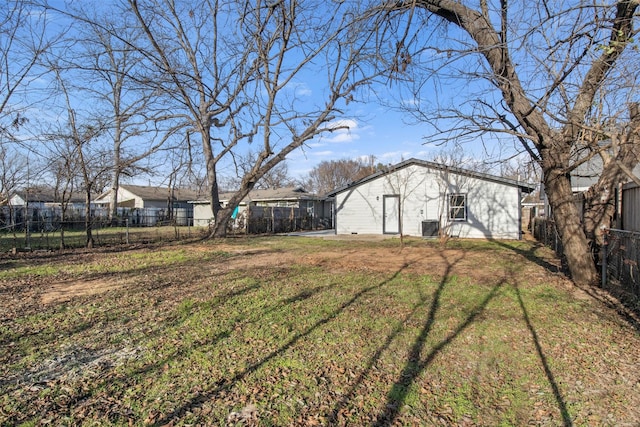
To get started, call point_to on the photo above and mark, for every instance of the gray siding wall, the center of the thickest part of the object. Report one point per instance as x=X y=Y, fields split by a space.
x=631 y=207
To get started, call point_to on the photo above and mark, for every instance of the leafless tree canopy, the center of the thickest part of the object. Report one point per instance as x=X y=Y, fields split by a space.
x=216 y=79
x=24 y=38
x=557 y=77
x=330 y=175
x=222 y=78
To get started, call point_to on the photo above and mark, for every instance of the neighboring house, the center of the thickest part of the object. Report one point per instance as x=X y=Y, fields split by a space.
x=627 y=204
x=421 y=198
x=40 y=198
x=147 y=205
x=630 y=217
x=41 y=207
x=533 y=206
x=588 y=173
x=143 y=197
x=288 y=197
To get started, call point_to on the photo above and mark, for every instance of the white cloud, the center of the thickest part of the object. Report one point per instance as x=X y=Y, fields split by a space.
x=321 y=153
x=395 y=156
x=300 y=89
x=343 y=131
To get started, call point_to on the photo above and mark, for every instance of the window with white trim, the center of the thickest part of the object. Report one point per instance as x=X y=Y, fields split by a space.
x=457 y=207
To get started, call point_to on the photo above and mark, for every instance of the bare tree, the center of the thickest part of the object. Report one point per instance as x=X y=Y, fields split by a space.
x=548 y=66
x=87 y=158
x=24 y=37
x=197 y=59
x=276 y=177
x=14 y=169
x=330 y=175
x=13 y=172
x=292 y=39
x=62 y=167
x=110 y=71
x=233 y=69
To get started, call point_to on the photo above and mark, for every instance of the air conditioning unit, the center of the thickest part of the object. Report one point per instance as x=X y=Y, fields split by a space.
x=430 y=228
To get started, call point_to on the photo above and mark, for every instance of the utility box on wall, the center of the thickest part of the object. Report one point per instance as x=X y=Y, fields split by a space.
x=430 y=228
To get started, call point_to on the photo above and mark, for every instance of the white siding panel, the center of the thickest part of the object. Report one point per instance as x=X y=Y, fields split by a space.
x=493 y=208
x=359 y=209
x=126 y=195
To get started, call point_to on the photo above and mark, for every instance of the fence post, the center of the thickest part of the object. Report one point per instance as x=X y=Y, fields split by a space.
x=126 y=233
x=603 y=257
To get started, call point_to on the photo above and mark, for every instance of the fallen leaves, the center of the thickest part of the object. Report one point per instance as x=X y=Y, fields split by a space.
x=338 y=336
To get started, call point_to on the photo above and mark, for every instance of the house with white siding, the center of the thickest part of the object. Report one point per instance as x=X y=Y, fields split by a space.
x=421 y=198
x=44 y=197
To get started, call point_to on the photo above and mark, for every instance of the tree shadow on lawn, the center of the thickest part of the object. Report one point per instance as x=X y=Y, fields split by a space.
x=174 y=318
x=435 y=300
x=562 y=405
x=530 y=255
x=240 y=318
x=86 y=356
x=415 y=364
x=627 y=308
x=228 y=383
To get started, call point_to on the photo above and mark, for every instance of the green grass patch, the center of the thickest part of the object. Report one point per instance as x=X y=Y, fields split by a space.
x=191 y=340
x=51 y=240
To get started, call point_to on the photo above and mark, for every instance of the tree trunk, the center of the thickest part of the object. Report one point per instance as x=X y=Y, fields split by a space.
x=224 y=214
x=599 y=205
x=113 y=200
x=63 y=216
x=220 y=225
x=553 y=147
x=214 y=193
x=87 y=220
x=599 y=199
x=567 y=219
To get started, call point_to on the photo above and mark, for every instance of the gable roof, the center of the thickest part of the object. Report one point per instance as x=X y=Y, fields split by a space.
x=48 y=195
x=527 y=188
x=150 y=193
x=272 y=194
x=588 y=174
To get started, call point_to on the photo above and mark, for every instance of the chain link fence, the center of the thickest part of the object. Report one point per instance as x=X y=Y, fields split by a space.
x=619 y=259
x=46 y=228
x=73 y=235
x=545 y=231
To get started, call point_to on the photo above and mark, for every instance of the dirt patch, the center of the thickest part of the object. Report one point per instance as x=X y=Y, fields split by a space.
x=435 y=261
x=68 y=289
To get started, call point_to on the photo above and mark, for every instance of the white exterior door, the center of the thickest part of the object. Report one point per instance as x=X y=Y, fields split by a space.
x=391 y=219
